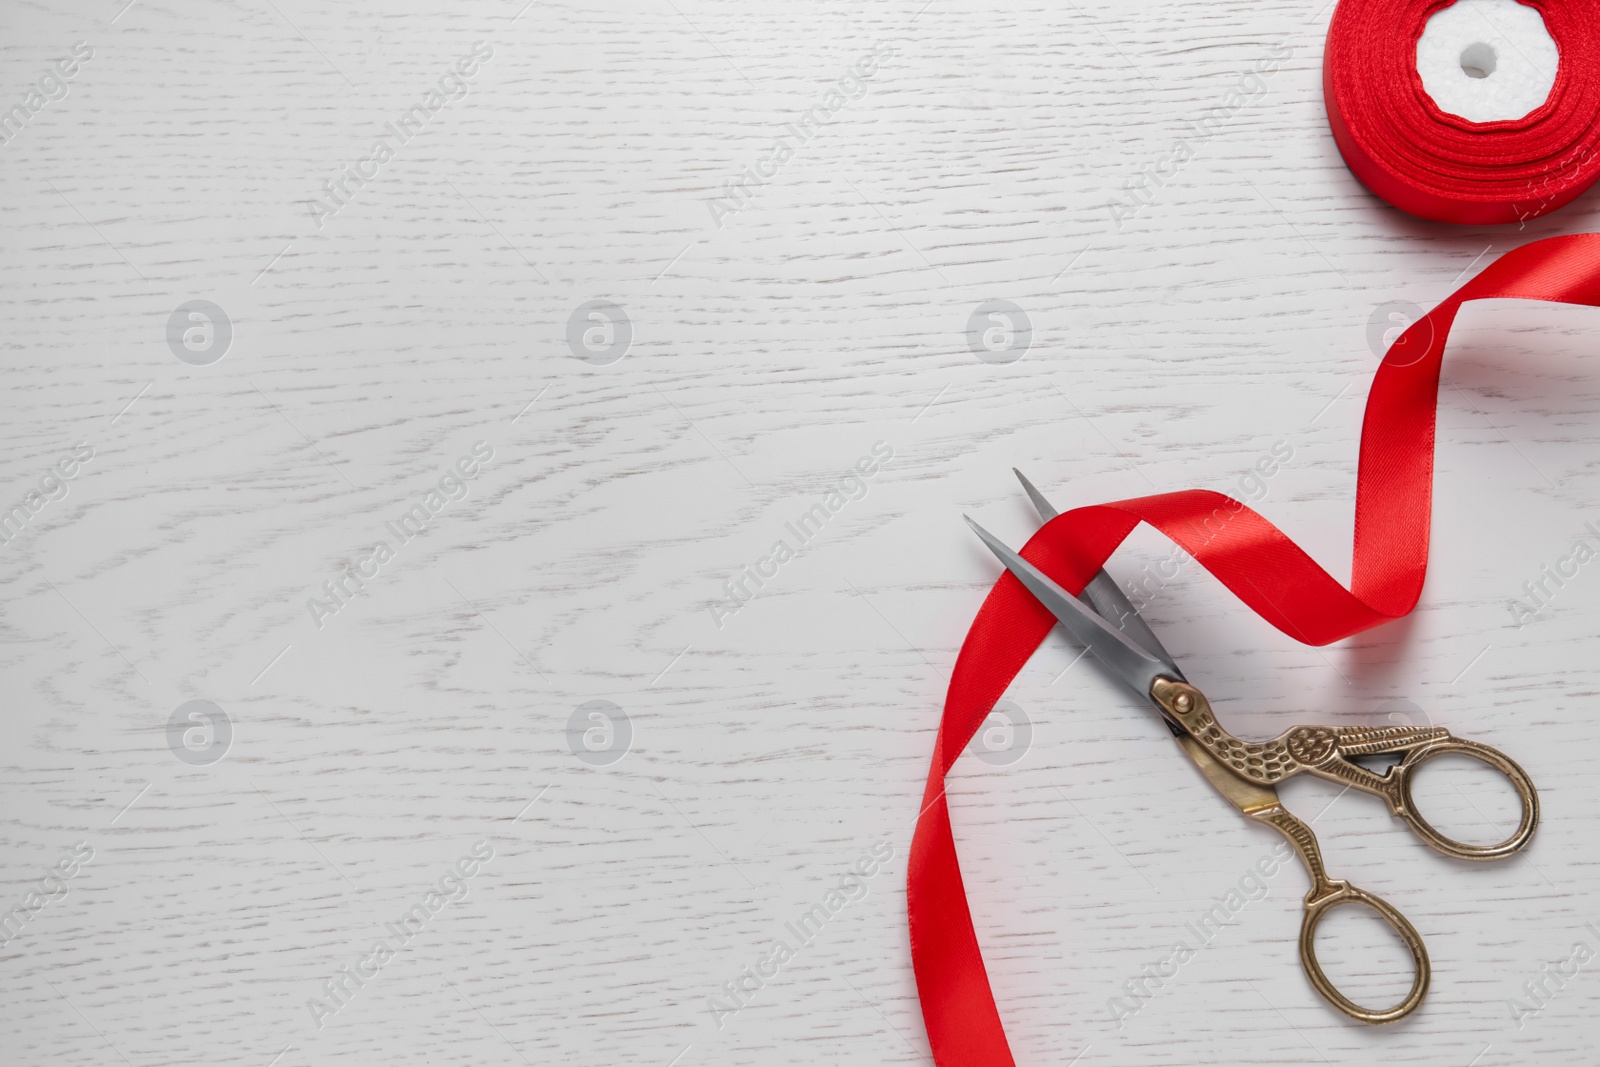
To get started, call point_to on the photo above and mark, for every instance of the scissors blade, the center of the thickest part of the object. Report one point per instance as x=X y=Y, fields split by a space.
x=1133 y=664
x=1102 y=592
x=1046 y=510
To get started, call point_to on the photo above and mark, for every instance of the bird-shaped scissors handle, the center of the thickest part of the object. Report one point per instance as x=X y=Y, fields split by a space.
x=1327 y=751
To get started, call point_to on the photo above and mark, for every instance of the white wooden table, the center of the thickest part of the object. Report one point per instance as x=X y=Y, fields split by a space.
x=360 y=749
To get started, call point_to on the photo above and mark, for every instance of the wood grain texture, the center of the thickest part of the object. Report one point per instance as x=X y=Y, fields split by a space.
x=768 y=355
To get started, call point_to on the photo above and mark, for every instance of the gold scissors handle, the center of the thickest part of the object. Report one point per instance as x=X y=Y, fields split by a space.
x=1329 y=893
x=1395 y=788
x=1327 y=751
x=1260 y=803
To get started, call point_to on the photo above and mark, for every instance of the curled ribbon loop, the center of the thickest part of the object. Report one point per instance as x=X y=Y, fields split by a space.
x=1253 y=558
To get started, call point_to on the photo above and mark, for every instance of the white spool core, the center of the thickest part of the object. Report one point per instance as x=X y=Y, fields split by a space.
x=1487 y=60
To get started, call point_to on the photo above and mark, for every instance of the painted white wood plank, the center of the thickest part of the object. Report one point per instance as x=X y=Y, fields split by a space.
x=374 y=346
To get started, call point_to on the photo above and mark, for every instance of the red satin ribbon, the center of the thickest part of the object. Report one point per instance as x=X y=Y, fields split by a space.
x=1253 y=558
x=1440 y=166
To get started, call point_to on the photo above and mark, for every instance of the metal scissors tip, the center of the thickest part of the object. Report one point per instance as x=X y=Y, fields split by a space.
x=1045 y=509
x=1135 y=666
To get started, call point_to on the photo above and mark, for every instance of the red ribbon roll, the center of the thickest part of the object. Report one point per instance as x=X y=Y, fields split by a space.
x=1440 y=166
x=1253 y=558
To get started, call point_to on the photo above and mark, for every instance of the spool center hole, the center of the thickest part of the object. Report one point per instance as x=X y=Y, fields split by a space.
x=1477 y=60
x=1487 y=60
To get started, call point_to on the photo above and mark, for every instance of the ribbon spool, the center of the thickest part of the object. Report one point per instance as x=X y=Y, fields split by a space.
x=1424 y=159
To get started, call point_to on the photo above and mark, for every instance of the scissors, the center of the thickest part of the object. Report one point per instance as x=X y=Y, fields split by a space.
x=1246 y=772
